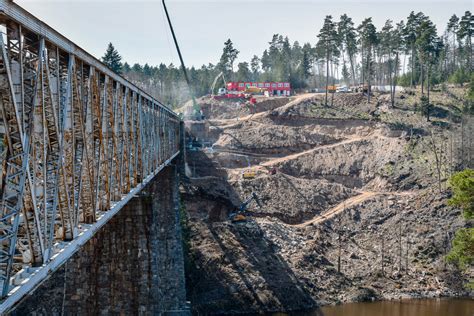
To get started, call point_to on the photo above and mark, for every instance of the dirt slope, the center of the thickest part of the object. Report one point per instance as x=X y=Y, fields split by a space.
x=341 y=187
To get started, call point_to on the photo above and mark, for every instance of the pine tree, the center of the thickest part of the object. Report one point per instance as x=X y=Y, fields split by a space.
x=428 y=46
x=243 y=72
x=453 y=26
x=255 y=67
x=113 y=59
x=391 y=43
x=368 y=39
x=229 y=55
x=466 y=31
x=397 y=46
x=126 y=67
x=410 y=35
x=425 y=107
x=328 y=42
x=265 y=61
x=306 y=64
x=348 y=36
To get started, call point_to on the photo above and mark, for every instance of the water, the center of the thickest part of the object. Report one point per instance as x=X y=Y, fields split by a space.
x=421 y=307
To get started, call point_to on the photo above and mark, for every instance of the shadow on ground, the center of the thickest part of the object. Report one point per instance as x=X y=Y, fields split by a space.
x=232 y=267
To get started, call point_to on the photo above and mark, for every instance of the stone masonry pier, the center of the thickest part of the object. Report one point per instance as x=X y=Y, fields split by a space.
x=133 y=265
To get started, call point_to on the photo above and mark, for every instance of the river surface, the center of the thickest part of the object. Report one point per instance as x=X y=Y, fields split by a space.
x=421 y=307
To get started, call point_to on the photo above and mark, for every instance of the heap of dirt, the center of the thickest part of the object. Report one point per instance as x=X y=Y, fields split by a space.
x=261 y=138
x=231 y=108
x=350 y=207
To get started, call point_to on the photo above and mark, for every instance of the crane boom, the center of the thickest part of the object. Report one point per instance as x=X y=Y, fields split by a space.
x=196 y=107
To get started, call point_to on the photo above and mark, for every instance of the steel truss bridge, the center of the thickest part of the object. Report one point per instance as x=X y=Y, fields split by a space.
x=77 y=142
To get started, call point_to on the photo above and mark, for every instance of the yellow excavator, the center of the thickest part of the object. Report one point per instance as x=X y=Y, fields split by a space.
x=240 y=214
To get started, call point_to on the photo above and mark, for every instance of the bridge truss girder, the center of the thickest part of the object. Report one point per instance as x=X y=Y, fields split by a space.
x=78 y=141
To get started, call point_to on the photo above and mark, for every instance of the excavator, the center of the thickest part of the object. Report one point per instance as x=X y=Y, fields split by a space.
x=221 y=91
x=239 y=215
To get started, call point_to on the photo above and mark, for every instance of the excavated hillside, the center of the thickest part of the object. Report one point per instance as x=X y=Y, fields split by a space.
x=350 y=204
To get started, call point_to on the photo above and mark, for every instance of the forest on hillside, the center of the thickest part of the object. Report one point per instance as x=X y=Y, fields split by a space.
x=410 y=52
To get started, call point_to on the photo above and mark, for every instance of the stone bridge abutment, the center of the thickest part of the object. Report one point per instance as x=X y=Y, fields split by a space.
x=133 y=265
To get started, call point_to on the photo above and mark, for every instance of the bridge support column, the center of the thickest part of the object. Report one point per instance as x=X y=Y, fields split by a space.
x=133 y=265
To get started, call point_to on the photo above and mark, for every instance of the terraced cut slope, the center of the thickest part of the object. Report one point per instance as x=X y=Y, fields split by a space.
x=350 y=210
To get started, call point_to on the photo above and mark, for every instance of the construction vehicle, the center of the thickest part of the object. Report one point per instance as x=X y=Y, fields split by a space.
x=255 y=90
x=248 y=173
x=224 y=93
x=221 y=91
x=240 y=214
x=331 y=89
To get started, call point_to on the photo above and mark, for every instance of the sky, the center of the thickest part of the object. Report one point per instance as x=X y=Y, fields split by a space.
x=139 y=31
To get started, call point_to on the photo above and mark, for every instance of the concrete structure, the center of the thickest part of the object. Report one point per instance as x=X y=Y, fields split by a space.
x=80 y=142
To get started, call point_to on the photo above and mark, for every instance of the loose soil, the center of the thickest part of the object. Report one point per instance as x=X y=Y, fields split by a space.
x=350 y=205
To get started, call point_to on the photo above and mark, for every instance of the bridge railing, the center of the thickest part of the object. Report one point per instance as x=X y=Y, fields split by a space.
x=78 y=139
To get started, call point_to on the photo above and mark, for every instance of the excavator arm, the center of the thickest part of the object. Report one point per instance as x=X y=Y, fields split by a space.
x=213 y=87
x=239 y=216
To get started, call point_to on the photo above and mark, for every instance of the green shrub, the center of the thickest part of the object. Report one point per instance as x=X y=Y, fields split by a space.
x=462 y=252
x=462 y=185
x=459 y=77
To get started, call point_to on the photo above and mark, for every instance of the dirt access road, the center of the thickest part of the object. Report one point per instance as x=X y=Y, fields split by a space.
x=338 y=166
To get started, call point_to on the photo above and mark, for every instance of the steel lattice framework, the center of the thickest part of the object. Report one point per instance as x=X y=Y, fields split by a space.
x=78 y=142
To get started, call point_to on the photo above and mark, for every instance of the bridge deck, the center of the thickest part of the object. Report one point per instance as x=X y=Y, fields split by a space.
x=78 y=142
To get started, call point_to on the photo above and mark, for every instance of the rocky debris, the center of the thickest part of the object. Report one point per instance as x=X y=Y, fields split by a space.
x=232 y=108
x=277 y=140
x=350 y=210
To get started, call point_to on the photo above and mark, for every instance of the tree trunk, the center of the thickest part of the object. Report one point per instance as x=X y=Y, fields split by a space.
x=343 y=61
x=469 y=141
x=469 y=55
x=406 y=257
x=404 y=63
x=412 y=63
x=333 y=83
x=327 y=76
x=437 y=161
x=454 y=52
x=422 y=80
x=428 y=84
x=352 y=69
x=382 y=250
x=362 y=68
x=368 y=74
x=462 y=141
x=390 y=78
x=339 y=251
x=395 y=79
x=400 y=247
